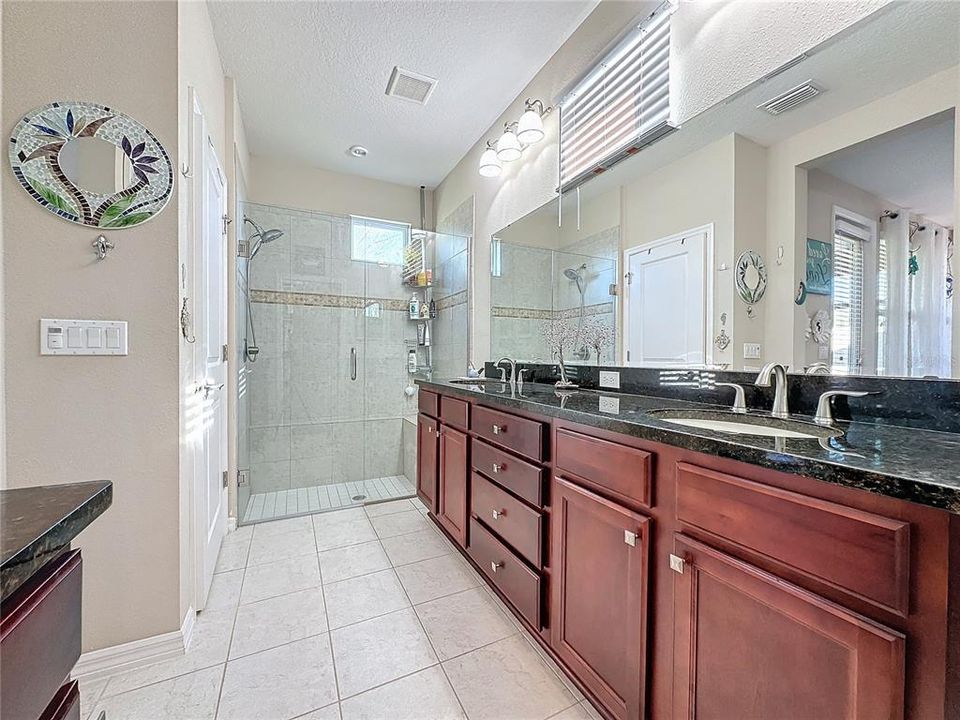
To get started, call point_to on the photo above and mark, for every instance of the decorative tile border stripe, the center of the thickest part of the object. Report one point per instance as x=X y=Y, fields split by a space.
x=279 y=297
x=535 y=314
x=453 y=300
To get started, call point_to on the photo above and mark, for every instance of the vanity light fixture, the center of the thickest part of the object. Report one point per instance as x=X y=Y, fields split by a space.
x=530 y=126
x=508 y=146
x=490 y=165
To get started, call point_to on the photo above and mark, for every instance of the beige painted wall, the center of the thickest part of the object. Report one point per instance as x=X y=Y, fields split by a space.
x=787 y=196
x=89 y=418
x=278 y=182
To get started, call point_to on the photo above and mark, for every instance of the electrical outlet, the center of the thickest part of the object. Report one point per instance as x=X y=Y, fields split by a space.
x=609 y=379
x=751 y=351
x=610 y=404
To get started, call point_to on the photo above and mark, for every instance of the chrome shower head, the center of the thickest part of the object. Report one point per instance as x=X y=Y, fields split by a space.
x=576 y=274
x=262 y=236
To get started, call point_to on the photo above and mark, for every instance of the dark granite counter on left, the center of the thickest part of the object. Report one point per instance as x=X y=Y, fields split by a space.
x=39 y=522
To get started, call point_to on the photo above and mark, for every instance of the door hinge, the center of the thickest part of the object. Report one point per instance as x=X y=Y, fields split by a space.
x=226 y=222
x=242 y=477
x=630 y=538
x=677 y=564
x=243 y=248
x=224 y=353
x=225 y=476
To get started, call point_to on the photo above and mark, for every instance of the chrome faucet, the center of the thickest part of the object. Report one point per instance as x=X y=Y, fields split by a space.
x=779 y=373
x=513 y=369
x=824 y=414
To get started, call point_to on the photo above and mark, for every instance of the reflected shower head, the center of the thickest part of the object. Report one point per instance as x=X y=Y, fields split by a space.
x=576 y=274
x=262 y=236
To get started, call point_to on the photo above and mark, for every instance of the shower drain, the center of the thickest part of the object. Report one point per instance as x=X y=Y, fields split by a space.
x=358 y=498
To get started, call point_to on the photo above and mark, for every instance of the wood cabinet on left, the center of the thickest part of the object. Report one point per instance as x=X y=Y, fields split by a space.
x=428 y=449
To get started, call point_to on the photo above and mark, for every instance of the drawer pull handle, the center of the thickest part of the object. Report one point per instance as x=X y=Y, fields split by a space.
x=497 y=514
x=494 y=566
x=497 y=467
x=499 y=429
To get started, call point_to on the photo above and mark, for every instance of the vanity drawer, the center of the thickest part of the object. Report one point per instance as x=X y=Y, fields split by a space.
x=624 y=472
x=428 y=403
x=511 y=431
x=862 y=553
x=40 y=637
x=510 y=519
x=518 y=476
x=454 y=412
x=508 y=572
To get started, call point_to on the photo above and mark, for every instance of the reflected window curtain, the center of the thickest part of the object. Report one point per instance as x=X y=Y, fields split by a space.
x=930 y=332
x=894 y=299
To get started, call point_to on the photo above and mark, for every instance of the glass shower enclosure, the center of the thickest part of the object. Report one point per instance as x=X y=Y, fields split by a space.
x=331 y=338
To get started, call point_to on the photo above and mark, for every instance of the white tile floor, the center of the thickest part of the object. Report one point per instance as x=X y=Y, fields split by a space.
x=359 y=614
x=298 y=501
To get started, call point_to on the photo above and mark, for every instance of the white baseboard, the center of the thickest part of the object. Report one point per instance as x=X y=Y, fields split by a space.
x=116 y=659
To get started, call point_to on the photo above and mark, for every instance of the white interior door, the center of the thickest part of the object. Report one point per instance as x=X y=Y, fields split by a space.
x=666 y=308
x=210 y=498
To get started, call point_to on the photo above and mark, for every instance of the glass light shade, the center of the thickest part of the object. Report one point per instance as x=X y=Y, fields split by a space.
x=489 y=163
x=508 y=147
x=530 y=128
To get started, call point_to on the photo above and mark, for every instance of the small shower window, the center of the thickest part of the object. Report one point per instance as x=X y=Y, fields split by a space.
x=378 y=241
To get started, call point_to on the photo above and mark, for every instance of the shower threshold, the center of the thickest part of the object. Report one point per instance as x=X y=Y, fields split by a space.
x=322 y=498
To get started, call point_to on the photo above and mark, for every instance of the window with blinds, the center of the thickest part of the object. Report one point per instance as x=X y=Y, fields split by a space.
x=846 y=341
x=622 y=105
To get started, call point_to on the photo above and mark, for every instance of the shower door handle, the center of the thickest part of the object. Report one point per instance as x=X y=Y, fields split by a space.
x=353 y=363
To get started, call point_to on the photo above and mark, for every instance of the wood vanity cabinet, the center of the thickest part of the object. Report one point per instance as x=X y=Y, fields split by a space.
x=452 y=510
x=672 y=585
x=428 y=454
x=600 y=554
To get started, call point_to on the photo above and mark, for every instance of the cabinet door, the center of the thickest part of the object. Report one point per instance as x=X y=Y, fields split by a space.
x=599 y=586
x=428 y=443
x=750 y=645
x=453 y=483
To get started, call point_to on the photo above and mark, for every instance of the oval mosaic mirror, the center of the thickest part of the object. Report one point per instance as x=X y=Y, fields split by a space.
x=91 y=164
x=750 y=277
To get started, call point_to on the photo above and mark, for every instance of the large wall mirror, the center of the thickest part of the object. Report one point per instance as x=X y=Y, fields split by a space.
x=91 y=164
x=842 y=206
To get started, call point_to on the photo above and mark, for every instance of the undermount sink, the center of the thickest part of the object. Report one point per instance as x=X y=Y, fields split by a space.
x=742 y=424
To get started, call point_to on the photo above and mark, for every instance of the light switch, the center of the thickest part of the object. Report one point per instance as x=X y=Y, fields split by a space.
x=74 y=337
x=751 y=351
x=83 y=337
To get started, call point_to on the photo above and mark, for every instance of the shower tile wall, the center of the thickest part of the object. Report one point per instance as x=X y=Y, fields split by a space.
x=532 y=290
x=309 y=423
x=452 y=276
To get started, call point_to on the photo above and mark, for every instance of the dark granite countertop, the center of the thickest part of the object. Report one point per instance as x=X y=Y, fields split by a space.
x=922 y=466
x=39 y=522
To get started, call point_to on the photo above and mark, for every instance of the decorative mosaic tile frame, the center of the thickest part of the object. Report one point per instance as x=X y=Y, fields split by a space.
x=34 y=157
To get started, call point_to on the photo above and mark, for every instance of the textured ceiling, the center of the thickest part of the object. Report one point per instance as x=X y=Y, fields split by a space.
x=912 y=167
x=312 y=75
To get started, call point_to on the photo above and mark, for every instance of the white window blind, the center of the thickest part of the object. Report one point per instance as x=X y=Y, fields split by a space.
x=622 y=105
x=846 y=341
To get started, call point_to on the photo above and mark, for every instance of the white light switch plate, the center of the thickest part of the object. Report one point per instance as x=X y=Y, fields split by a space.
x=751 y=351
x=609 y=379
x=83 y=337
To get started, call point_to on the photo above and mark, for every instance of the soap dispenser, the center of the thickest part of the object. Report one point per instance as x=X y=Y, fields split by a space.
x=414 y=307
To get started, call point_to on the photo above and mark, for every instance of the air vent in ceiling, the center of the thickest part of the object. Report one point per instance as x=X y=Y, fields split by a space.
x=410 y=86
x=791 y=98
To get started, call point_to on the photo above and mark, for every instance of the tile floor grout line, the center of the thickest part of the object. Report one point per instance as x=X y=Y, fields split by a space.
x=233 y=628
x=326 y=617
x=433 y=647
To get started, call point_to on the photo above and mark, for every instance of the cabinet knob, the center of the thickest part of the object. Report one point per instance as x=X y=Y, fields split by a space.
x=497 y=467
x=677 y=564
x=499 y=429
x=497 y=514
x=494 y=566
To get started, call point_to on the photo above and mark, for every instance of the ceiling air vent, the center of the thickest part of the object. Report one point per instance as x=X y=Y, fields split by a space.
x=410 y=86
x=791 y=98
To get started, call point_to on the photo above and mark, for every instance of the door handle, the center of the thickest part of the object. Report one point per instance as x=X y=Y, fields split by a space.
x=353 y=363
